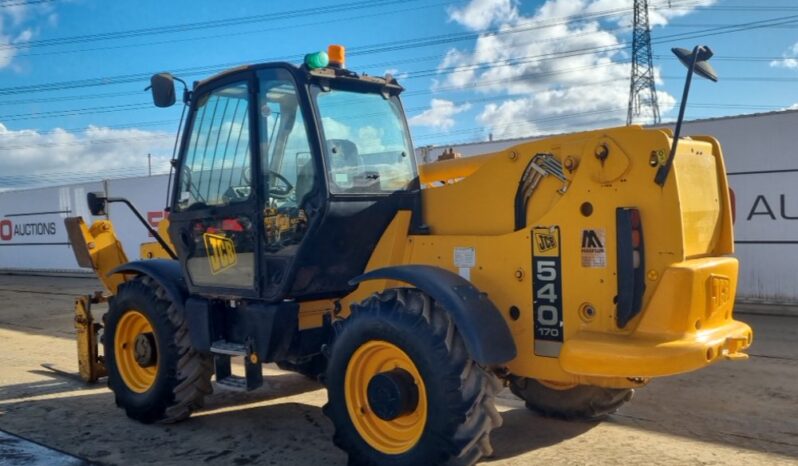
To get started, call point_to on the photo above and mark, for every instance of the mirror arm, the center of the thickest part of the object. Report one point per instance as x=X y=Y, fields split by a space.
x=664 y=170
x=144 y=222
x=186 y=92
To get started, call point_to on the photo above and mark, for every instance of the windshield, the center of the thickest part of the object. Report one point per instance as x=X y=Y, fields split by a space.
x=367 y=145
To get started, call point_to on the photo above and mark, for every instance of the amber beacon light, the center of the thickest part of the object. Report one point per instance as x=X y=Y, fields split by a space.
x=337 y=54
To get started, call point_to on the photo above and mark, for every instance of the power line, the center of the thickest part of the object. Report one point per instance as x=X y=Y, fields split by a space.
x=734 y=28
x=77 y=131
x=24 y=3
x=418 y=43
x=439 y=39
x=87 y=142
x=184 y=27
x=74 y=112
x=292 y=26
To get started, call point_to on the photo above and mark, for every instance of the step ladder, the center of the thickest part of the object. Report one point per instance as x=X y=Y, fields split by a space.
x=222 y=352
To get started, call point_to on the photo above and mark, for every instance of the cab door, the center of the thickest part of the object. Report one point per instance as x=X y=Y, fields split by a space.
x=294 y=196
x=215 y=209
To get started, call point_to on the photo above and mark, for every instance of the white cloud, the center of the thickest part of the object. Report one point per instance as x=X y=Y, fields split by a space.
x=334 y=129
x=440 y=114
x=31 y=152
x=548 y=74
x=396 y=73
x=659 y=13
x=18 y=12
x=789 y=63
x=369 y=140
x=790 y=60
x=13 y=28
x=24 y=36
x=479 y=14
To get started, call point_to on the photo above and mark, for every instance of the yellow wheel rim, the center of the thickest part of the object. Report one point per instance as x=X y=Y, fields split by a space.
x=391 y=437
x=130 y=326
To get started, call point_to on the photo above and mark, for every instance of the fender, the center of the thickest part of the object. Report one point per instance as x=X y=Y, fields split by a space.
x=485 y=332
x=166 y=273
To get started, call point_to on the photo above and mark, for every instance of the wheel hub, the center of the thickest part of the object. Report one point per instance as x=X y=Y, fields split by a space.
x=392 y=394
x=144 y=349
x=388 y=414
x=135 y=355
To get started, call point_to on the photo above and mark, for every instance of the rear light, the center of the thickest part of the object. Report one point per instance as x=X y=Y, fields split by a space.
x=634 y=216
x=636 y=237
x=631 y=265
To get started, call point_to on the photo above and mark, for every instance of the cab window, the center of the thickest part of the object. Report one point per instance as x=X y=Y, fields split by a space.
x=216 y=164
x=285 y=150
x=288 y=170
x=367 y=145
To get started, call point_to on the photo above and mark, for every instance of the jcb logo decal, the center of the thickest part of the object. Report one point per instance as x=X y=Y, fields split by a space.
x=221 y=252
x=545 y=241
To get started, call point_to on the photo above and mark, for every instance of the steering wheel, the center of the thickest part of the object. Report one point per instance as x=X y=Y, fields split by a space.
x=279 y=186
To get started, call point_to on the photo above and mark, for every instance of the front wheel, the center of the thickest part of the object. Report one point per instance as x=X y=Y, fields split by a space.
x=402 y=388
x=153 y=371
x=569 y=401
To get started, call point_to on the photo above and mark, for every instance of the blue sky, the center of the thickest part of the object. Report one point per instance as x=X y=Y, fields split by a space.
x=64 y=134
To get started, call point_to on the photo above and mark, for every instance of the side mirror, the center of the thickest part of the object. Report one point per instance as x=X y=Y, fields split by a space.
x=163 y=89
x=97 y=203
x=702 y=56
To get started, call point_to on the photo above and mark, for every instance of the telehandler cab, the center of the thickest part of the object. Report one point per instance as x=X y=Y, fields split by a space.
x=302 y=232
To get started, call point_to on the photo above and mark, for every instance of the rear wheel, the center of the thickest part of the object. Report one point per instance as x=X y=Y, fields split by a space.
x=569 y=401
x=153 y=371
x=402 y=388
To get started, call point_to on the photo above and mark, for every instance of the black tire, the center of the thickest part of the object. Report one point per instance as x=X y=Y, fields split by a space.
x=460 y=394
x=586 y=402
x=312 y=368
x=183 y=376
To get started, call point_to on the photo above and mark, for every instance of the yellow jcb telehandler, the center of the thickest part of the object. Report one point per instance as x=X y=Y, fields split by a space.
x=572 y=269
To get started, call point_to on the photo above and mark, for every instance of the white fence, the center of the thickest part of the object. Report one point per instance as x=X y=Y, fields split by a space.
x=32 y=232
x=760 y=156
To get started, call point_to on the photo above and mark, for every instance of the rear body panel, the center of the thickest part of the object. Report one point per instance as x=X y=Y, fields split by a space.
x=686 y=317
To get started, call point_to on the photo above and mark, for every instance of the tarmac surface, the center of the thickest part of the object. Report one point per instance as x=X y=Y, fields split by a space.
x=742 y=412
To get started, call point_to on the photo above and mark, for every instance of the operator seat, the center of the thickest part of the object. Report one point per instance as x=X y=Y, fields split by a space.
x=345 y=162
x=343 y=153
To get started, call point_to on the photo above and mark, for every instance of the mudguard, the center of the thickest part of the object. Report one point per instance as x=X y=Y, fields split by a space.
x=485 y=332
x=165 y=272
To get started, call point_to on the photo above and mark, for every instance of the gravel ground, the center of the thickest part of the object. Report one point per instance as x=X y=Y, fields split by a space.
x=732 y=413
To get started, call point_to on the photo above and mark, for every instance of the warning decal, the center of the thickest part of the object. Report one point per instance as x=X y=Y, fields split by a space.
x=465 y=259
x=594 y=252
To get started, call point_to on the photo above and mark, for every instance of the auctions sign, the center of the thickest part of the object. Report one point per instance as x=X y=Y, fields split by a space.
x=33 y=230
